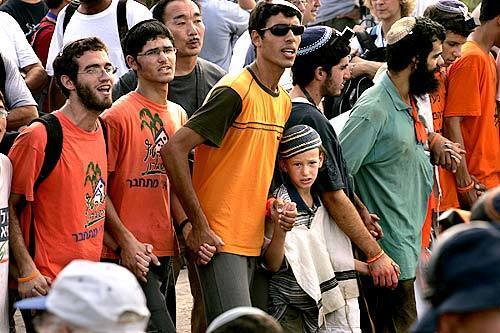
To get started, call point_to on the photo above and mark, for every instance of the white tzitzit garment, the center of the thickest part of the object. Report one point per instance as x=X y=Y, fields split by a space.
x=315 y=255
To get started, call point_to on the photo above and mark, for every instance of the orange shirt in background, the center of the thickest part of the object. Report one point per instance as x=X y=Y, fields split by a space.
x=471 y=94
x=69 y=206
x=138 y=183
x=449 y=196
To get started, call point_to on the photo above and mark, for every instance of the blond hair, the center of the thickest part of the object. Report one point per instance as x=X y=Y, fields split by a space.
x=407 y=7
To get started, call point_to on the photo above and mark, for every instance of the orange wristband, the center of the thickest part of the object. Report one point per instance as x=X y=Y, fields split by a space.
x=376 y=257
x=433 y=141
x=30 y=277
x=466 y=188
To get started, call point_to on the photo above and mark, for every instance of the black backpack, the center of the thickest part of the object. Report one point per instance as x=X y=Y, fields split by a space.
x=53 y=151
x=353 y=88
x=121 y=16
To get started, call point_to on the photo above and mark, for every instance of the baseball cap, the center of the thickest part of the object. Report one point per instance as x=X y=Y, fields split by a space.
x=234 y=314
x=101 y=297
x=463 y=273
x=487 y=208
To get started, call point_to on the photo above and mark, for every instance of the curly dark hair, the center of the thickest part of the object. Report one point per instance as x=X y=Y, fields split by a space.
x=66 y=62
x=141 y=33
x=326 y=57
x=452 y=22
x=425 y=32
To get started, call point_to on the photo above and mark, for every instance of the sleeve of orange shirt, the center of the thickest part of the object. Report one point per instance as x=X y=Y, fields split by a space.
x=27 y=156
x=464 y=96
x=114 y=137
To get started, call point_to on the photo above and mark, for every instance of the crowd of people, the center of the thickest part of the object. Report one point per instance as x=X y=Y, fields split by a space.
x=301 y=159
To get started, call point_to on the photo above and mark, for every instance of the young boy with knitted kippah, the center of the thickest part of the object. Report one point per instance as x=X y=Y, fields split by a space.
x=314 y=285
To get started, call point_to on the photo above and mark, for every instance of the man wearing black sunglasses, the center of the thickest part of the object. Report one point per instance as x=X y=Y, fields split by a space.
x=236 y=134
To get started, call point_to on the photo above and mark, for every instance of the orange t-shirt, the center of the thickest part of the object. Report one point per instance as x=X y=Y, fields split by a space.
x=138 y=183
x=449 y=197
x=232 y=178
x=471 y=94
x=69 y=206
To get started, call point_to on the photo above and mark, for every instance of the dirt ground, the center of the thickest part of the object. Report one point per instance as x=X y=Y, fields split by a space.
x=184 y=304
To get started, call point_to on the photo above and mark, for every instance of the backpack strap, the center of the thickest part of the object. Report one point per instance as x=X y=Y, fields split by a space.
x=70 y=10
x=53 y=149
x=3 y=76
x=121 y=18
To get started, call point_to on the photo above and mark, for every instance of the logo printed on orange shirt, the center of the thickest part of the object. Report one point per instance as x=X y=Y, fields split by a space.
x=152 y=157
x=95 y=210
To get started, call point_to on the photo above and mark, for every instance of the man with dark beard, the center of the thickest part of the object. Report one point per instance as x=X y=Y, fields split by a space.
x=384 y=144
x=62 y=218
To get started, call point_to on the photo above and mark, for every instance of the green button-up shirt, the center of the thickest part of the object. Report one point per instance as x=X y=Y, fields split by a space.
x=392 y=173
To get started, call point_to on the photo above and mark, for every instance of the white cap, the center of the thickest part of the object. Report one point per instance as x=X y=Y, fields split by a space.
x=101 y=297
x=233 y=314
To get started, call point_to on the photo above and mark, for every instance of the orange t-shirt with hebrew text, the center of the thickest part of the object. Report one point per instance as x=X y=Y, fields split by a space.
x=69 y=206
x=449 y=197
x=471 y=94
x=138 y=183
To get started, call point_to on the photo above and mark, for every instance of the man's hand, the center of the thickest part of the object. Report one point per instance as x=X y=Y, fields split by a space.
x=39 y=286
x=136 y=257
x=203 y=235
x=446 y=153
x=468 y=198
x=371 y=223
x=205 y=254
x=385 y=272
x=283 y=214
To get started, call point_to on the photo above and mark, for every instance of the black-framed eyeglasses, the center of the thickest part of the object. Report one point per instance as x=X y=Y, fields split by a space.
x=99 y=71
x=282 y=29
x=168 y=50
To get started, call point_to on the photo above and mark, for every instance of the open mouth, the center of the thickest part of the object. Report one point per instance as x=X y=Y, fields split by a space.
x=165 y=69
x=289 y=52
x=104 y=89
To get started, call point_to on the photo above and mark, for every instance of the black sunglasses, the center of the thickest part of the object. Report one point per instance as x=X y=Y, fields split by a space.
x=282 y=29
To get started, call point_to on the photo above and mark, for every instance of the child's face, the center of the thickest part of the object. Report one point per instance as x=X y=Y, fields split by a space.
x=302 y=169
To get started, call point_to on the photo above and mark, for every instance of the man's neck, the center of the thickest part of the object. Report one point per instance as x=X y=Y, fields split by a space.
x=185 y=65
x=484 y=37
x=269 y=75
x=79 y=115
x=401 y=81
x=94 y=7
x=311 y=89
x=153 y=91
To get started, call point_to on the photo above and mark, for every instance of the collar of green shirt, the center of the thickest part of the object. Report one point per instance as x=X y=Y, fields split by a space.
x=393 y=92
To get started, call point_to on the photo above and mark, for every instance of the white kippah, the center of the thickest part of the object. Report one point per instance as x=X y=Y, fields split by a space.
x=400 y=29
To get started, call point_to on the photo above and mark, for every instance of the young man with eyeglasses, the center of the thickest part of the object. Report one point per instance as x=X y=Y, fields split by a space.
x=62 y=218
x=236 y=134
x=140 y=207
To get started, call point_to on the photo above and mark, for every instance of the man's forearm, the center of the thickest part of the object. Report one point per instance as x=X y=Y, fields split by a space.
x=120 y=234
x=348 y=220
x=177 y=165
x=453 y=132
x=20 y=253
x=21 y=116
x=36 y=78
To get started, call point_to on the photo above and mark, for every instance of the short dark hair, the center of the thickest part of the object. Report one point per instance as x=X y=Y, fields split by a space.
x=51 y=4
x=141 y=33
x=264 y=10
x=489 y=10
x=251 y=324
x=326 y=57
x=425 y=32
x=66 y=62
x=159 y=9
x=452 y=22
